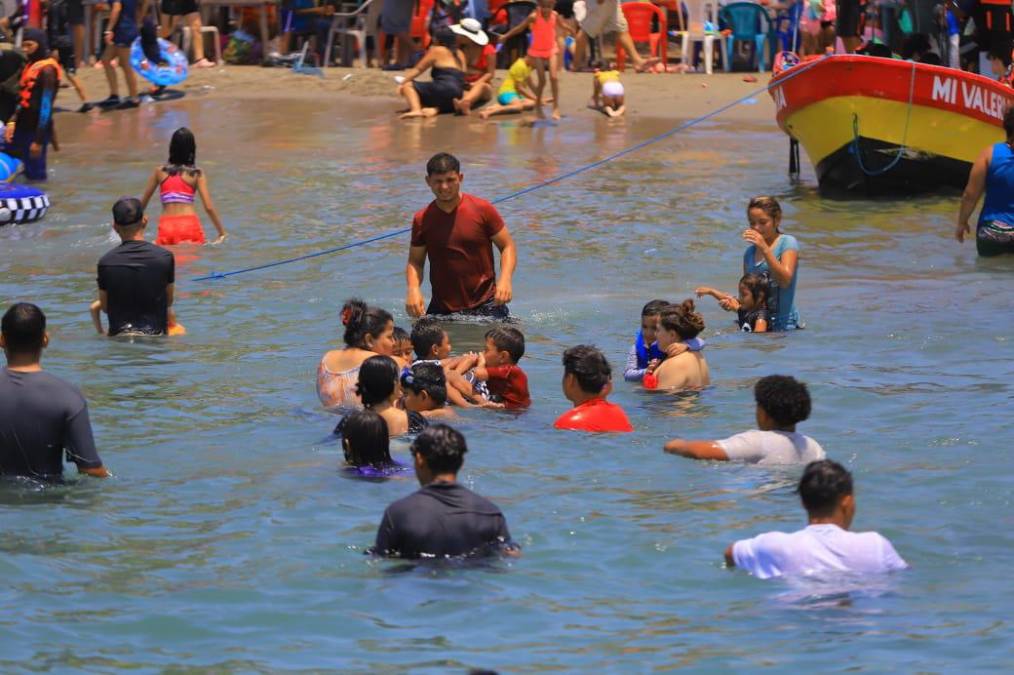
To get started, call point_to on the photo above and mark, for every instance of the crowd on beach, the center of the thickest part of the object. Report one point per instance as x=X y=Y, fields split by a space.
x=387 y=381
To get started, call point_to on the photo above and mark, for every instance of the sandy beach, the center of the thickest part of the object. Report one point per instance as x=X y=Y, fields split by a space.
x=668 y=96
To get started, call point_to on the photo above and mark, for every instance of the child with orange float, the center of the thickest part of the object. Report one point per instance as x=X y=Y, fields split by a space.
x=587 y=380
x=543 y=53
x=177 y=182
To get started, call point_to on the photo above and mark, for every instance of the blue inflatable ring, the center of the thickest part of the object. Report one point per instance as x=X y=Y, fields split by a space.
x=175 y=70
x=9 y=167
x=22 y=203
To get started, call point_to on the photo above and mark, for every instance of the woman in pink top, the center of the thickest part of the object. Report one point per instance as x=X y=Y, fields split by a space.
x=177 y=182
x=369 y=331
x=542 y=53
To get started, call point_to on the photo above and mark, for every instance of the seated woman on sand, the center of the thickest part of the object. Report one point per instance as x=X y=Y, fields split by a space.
x=427 y=99
x=681 y=369
x=369 y=331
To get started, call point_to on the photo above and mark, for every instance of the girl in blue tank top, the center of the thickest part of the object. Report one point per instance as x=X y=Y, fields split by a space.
x=992 y=173
x=774 y=256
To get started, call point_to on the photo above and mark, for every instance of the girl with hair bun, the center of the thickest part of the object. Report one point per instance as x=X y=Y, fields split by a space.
x=682 y=368
x=369 y=331
x=774 y=256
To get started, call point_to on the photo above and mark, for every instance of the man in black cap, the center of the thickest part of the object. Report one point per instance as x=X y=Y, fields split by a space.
x=29 y=132
x=136 y=278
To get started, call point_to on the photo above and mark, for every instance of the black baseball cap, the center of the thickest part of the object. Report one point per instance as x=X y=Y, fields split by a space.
x=127 y=211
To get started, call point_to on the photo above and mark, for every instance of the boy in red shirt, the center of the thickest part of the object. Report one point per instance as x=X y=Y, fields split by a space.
x=587 y=380
x=498 y=368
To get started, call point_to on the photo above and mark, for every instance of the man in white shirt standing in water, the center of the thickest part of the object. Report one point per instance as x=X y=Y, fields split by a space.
x=824 y=546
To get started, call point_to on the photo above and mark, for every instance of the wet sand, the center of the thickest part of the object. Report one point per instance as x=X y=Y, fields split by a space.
x=668 y=96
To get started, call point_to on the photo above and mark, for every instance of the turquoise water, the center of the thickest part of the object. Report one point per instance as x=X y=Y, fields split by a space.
x=228 y=540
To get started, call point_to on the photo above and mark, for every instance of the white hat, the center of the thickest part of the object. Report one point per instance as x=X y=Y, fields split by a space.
x=471 y=29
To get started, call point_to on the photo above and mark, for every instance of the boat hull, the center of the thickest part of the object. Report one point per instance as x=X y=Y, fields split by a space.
x=880 y=126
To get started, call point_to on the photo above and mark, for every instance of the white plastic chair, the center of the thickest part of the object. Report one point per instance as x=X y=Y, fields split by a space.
x=216 y=38
x=700 y=11
x=349 y=24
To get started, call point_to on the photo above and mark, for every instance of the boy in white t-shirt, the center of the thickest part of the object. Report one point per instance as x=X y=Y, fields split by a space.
x=782 y=402
x=824 y=546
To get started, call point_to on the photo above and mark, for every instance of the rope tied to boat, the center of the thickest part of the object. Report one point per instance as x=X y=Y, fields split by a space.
x=857 y=151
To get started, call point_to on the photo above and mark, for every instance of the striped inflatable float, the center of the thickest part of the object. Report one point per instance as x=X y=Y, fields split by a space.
x=21 y=204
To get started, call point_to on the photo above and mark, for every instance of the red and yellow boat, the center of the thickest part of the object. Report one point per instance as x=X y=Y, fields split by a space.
x=878 y=125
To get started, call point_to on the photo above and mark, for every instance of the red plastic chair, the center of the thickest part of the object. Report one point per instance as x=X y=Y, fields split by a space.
x=420 y=23
x=639 y=17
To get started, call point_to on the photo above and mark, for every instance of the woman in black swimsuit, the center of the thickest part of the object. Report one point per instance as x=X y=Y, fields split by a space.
x=447 y=62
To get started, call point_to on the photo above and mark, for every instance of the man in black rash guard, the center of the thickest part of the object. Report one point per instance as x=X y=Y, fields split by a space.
x=30 y=131
x=135 y=279
x=40 y=415
x=443 y=519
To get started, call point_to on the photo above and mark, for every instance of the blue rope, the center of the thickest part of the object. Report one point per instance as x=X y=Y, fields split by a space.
x=530 y=188
x=855 y=150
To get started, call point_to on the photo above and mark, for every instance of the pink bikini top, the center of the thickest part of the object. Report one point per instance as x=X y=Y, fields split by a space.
x=175 y=190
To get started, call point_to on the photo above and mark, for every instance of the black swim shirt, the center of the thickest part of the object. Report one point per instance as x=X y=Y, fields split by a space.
x=135 y=275
x=441 y=520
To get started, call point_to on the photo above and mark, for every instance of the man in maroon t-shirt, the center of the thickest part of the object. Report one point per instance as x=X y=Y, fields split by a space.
x=456 y=231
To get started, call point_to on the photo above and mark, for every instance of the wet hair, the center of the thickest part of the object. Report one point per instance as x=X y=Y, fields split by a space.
x=589 y=366
x=653 y=307
x=361 y=320
x=23 y=327
x=784 y=398
x=400 y=334
x=442 y=447
x=758 y=287
x=768 y=205
x=1008 y=122
x=127 y=212
x=823 y=485
x=682 y=319
x=443 y=162
x=377 y=377
x=508 y=339
x=426 y=334
x=428 y=377
x=365 y=440
x=182 y=149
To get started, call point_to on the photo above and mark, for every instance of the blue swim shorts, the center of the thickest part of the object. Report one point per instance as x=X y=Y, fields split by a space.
x=507 y=97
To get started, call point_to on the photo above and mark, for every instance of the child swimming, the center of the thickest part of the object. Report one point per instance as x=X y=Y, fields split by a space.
x=367 y=446
x=425 y=390
x=751 y=304
x=432 y=345
x=402 y=345
x=498 y=367
x=379 y=390
x=645 y=355
x=607 y=91
x=543 y=53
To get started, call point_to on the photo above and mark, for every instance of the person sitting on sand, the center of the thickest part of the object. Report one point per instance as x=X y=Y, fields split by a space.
x=751 y=305
x=480 y=60
x=369 y=331
x=587 y=381
x=682 y=368
x=428 y=99
x=824 y=546
x=782 y=403
x=177 y=181
x=607 y=91
x=516 y=93
x=543 y=54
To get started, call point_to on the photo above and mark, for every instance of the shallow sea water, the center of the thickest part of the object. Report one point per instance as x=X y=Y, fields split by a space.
x=229 y=541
